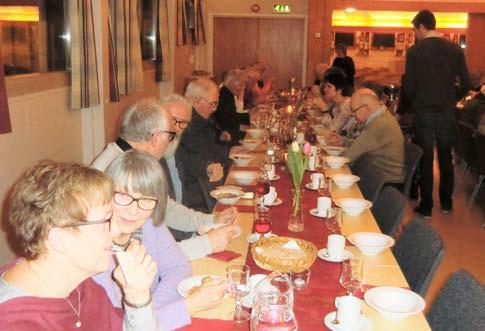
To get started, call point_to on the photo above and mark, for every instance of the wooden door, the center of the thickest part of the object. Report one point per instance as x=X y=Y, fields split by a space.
x=278 y=43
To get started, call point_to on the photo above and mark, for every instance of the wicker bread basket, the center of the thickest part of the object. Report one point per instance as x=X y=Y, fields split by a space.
x=283 y=264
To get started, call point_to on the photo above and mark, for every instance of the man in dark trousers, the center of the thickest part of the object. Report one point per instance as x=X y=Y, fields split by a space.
x=436 y=77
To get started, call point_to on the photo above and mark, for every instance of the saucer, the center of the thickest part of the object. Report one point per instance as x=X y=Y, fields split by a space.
x=276 y=202
x=365 y=323
x=275 y=177
x=322 y=253
x=314 y=212
x=310 y=187
x=253 y=237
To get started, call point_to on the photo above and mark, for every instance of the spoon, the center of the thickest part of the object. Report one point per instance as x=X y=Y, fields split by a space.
x=335 y=320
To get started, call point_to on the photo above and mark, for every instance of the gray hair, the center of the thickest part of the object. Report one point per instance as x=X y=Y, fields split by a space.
x=177 y=98
x=234 y=75
x=199 y=87
x=139 y=172
x=140 y=121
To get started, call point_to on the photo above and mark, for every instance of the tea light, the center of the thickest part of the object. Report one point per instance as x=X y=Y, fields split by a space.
x=299 y=282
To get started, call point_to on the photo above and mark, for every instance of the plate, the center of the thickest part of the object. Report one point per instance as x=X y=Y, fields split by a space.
x=276 y=202
x=310 y=187
x=184 y=286
x=275 y=177
x=314 y=212
x=253 y=237
x=364 y=325
x=322 y=253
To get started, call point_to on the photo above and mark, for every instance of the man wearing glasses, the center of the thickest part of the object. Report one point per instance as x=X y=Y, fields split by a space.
x=381 y=136
x=149 y=127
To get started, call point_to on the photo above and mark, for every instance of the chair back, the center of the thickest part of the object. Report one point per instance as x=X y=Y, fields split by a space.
x=480 y=152
x=465 y=147
x=371 y=178
x=412 y=155
x=459 y=305
x=389 y=210
x=419 y=250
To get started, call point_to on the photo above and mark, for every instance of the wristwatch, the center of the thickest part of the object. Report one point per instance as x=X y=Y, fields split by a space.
x=138 y=305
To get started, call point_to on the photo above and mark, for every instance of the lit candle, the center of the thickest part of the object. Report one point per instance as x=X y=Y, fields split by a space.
x=299 y=282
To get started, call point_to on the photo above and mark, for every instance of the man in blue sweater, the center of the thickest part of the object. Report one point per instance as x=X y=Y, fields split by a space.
x=436 y=77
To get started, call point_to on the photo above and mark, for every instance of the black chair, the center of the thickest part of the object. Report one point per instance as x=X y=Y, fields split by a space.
x=479 y=140
x=460 y=305
x=371 y=179
x=419 y=250
x=389 y=210
x=412 y=155
x=465 y=150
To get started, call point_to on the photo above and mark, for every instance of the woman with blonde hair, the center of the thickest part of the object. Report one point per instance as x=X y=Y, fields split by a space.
x=60 y=214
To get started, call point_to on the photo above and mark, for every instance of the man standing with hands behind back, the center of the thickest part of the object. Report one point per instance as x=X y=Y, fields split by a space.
x=433 y=68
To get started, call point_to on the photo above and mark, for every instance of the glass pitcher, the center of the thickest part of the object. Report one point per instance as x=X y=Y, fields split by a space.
x=273 y=305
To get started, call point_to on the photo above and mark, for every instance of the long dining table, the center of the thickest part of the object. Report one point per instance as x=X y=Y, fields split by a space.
x=315 y=301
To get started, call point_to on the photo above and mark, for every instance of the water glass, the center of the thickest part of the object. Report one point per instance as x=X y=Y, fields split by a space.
x=334 y=219
x=325 y=187
x=351 y=275
x=238 y=287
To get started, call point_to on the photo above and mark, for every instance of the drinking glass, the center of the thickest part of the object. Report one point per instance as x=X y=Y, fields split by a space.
x=351 y=275
x=262 y=187
x=334 y=219
x=262 y=221
x=325 y=187
x=238 y=287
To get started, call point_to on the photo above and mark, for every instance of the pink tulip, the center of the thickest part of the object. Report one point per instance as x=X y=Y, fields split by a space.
x=306 y=148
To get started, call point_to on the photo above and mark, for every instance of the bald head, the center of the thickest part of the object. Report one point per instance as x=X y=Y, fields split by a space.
x=364 y=102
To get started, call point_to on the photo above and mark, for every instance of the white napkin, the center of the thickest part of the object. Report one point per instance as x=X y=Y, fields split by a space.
x=292 y=244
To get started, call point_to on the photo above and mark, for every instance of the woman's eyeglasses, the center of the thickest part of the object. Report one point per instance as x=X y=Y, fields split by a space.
x=124 y=199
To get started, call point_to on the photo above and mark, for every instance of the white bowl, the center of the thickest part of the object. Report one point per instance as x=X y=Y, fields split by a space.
x=371 y=243
x=334 y=150
x=249 y=143
x=244 y=177
x=255 y=133
x=241 y=159
x=336 y=162
x=228 y=200
x=345 y=181
x=354 y=206
x=394 y=302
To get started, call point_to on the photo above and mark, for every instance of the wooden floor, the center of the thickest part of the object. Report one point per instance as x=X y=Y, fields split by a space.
x=464 y=239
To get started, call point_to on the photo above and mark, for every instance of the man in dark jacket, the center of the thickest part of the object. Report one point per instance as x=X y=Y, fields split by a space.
x=228 y=117
x=434 y=66
x=344 y=62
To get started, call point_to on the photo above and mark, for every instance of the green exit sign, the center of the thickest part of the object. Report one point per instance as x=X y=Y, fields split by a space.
x=282 y=9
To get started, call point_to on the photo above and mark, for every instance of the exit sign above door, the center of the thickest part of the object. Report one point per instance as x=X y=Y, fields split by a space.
x=281 y=9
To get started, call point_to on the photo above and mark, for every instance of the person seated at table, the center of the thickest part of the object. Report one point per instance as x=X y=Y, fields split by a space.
x=337 y=92
x=138 y=210
x=60 y=215
x=253 y=94
x=263 y=84
x=228 y=116
x=346 y=63
x=146 y=126
x=473 y=112
x=199 y=152
x=318 y=72
x=381 y=136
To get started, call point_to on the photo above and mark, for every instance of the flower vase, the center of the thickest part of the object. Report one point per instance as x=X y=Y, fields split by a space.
x=295 y=222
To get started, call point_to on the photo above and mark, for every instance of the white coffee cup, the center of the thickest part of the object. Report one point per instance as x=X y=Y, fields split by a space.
x=323 y=203
x=316 y=179
x=271 y=172
x=349 y=310
x=336 y=246
x=300 y=137
x=271 y=196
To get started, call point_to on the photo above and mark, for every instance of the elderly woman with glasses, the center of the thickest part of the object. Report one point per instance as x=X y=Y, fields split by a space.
x=60 y=215
x=138 y=211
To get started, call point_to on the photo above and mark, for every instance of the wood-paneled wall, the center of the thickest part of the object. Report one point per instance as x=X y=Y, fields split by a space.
x=475 y=40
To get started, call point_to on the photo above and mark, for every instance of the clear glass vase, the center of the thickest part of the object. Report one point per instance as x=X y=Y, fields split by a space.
x=295 y=222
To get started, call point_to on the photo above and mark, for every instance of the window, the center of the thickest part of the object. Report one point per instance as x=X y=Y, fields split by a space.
x=383 y=40
x=34 y=35
x=344 y=38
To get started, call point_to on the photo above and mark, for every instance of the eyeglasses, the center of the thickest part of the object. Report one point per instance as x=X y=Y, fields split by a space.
x=172 y=134
x=354 y=110
x=213 y=103
x=182 y=124
x=86 y=222
x=146 y=204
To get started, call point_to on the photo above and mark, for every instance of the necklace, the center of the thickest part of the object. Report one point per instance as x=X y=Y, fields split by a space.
x=76 y=311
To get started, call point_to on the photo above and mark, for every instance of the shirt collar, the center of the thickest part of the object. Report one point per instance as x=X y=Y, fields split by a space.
x=373 y=116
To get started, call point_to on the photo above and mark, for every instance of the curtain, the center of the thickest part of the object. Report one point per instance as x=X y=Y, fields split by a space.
x=84 y=67
x=162 y=61
x=126 y=48
x=5 y=125
x=190 y=19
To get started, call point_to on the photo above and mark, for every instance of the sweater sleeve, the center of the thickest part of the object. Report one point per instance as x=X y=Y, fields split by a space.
x=368 y=140
x=197 y=247
x=465 y=83
x=173 y=267
x=181 y=218
x=410 y=76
